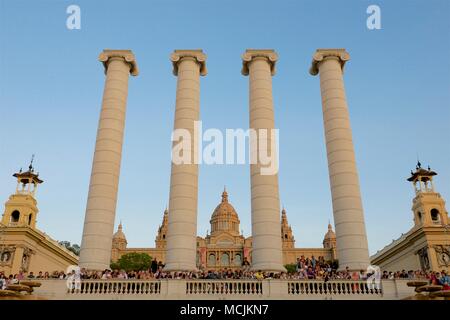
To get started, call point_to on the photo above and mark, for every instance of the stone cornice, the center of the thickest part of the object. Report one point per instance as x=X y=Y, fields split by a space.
x=413 y=235
x=251 y=54
x=43 y=239
x=178 y=55
x=126 y=55
x=322 y=54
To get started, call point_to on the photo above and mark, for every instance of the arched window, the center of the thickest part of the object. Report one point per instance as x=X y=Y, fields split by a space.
x=225 y=259
x=164 y=236
x=435 y=216
x=285 y=236
x=237 y=259
x=15 y=216
x=212 y=259
x=30 y=218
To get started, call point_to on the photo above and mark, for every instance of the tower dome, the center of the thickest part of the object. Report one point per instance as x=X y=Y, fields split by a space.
x=224 y=217
x=329 y=240
x=119 y=240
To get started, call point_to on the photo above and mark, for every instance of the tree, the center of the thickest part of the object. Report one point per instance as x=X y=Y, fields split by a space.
x=133 y=261
x=291 y=268
x=73 y=248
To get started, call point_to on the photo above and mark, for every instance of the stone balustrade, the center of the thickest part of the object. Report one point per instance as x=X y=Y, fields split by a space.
x=273 y=289
x=224 y=287
x=342 y=287
x=119 y=287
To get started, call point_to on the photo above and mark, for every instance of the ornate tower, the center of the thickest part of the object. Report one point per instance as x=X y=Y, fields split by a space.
x=119 y=239
x=21 y=207
x=119 y=243
x=426 y=245
x=160 y=240
x=329 y=240
x=428 y=205
x=288 y=240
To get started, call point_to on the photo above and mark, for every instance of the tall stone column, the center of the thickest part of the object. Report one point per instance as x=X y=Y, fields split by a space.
x=181 y=248
x=98 y=229
x=351 y=239
x=266 y=231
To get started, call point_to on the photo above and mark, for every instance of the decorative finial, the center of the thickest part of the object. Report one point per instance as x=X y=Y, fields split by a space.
x=412 y=173
x=31 y=163
x=120 y=225
x=224 y=195
x=20 y=171
x=429 y=169
x=419 y=164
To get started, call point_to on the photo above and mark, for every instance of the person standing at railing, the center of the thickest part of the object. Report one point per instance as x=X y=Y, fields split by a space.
x=444 y=280
x=154 y=265
x=259 y=275
x=313 y=262
x=3 y=281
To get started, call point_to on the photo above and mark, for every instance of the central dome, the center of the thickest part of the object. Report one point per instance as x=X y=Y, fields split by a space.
x=224 y=217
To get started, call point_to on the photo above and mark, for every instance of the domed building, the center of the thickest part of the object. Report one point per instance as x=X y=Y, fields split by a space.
x=225 y=246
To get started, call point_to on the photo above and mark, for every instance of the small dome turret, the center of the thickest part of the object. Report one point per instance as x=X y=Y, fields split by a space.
x=329 y=240
x=119 y=240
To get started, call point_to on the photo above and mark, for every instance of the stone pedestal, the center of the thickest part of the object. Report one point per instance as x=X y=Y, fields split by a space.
x=351 y=239
x=98 y=229
x=188 y=65
x=265 y=204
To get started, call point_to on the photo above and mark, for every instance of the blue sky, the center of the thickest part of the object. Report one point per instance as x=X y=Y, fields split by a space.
x=397 y=85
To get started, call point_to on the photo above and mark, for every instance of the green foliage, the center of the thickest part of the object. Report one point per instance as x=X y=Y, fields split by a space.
x=114 y=266
x=74 y=247
x=133 y=261
x=291 y=268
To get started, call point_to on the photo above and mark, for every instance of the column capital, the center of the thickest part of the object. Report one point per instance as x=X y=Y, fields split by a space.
x=126 y=55
x=321 y=54
x=250 y=54
x=178 y=55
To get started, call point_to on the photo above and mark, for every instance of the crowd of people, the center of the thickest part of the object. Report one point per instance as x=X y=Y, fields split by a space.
x=305 y=269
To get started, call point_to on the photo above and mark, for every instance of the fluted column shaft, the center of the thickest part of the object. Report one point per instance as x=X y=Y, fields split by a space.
x=98 y=229
x=351 y=239
x=182 y=217
x=265 y=204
